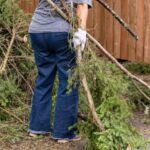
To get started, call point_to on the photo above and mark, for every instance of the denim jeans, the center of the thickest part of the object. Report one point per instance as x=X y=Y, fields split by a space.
x=53 y=55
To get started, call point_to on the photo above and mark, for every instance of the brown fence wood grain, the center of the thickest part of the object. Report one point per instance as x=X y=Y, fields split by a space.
x=132 y=22
x=111 y=34
x=117 y=30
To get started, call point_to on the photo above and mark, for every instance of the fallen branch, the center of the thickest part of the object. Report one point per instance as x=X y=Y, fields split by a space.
x=113 y=59
x=3 y=65
x=97 y=120
x=55 y=7
x=65 y=7
x=118 y=18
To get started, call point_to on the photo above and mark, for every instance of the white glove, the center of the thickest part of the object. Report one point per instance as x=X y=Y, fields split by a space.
x=79 y=39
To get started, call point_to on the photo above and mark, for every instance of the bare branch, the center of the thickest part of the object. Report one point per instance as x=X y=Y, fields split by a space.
x=3 y=65
x=96 y=118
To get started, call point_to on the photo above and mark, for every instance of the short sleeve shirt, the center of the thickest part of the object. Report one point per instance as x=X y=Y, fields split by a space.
x=46 y=19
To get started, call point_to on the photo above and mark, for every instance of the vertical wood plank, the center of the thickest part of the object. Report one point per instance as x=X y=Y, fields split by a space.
x=140 y=31
x=117 y=29
x=102 y=25
x=22 y=4
x=99 y=25
x=132 y=22
x=109 y=29
x=35 y=4
x=28 y=6
x=124 y=33
x=97 y=21
x=29 y=3
x=90 y=22
x=147 y=33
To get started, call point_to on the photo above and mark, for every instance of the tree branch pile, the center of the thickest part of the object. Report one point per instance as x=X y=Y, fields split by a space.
x=16 y=59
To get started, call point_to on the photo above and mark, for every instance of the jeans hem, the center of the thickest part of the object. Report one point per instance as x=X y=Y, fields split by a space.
x=38 y=132
x=57 y=138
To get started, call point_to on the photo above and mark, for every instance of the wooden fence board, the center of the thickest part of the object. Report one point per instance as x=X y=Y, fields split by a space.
x=90 y=24
x=140 y=30
x=99 y=28
x=109 y=29
x=132 y=22
x=110 y=33
x=97 y=21
x=117 y=30
x=102 y=26
x=124 y=33
x=147 y=32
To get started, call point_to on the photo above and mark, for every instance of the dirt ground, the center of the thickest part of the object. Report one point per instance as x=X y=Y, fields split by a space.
x=42 y=144
x=145 y=77
x=142 y=126
x=45 y=143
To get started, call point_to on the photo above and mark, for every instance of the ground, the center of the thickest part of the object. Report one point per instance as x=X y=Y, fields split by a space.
x=42 y=144
x=18 y=138
x=22 y=141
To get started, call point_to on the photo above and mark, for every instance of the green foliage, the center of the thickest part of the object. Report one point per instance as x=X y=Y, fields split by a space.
x=109 y=88
x=11 y=132
x=119 y=133
x=18 y=78
x=10 y=13
x=138 y=67
x=9 y=92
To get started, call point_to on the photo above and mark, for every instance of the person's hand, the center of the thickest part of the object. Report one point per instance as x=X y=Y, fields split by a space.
x=79 y=39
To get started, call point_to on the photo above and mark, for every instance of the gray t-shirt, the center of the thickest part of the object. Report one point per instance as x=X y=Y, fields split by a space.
x=46 y=19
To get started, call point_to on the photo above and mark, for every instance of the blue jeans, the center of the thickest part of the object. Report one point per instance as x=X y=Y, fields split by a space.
x=53 y=55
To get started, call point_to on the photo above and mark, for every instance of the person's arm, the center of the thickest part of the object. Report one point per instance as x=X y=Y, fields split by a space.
x=82 y=14
x=79 y=38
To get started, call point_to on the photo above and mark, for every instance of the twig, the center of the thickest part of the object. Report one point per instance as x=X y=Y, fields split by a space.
x=141 y=91
x=66 y=8
x=113 y=59
x=21 y=57
x=118 y=18
x=20 y=74
x=13 y=115
x=58 y=10
x=3 y=65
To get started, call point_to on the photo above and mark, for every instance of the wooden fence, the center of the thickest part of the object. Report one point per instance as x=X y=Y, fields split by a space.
x=111 y=34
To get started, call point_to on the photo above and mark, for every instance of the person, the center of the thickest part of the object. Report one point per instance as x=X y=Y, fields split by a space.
x=49 y=34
